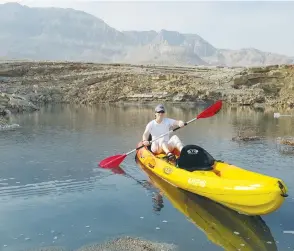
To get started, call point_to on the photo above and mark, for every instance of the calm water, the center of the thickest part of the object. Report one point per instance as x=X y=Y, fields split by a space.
x=53 y=193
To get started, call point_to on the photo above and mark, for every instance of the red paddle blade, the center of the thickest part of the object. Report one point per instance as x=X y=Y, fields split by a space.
x=210 y=111
x=112 y=161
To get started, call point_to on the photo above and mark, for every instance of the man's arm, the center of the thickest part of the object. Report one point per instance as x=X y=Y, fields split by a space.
x=179 y=123
x=145 y=136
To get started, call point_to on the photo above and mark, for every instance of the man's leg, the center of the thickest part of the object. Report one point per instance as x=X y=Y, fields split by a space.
x=162 y=146
x=168 y=148
x=155 y=147
x=175 y=142
x=159 y=146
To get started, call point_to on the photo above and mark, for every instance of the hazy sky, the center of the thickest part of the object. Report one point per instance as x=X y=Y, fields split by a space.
x=263 y=25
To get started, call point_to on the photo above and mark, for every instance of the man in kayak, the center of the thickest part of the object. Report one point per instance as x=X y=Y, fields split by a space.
x=159 y=126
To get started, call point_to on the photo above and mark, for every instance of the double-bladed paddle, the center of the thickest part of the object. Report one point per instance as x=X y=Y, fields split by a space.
x=115 y=160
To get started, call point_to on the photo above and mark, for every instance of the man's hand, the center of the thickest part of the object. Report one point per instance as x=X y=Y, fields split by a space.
x=146 y=142
x=181 y=123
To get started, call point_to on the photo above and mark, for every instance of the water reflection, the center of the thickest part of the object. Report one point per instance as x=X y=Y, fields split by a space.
x=222 y=226
x=80 y=117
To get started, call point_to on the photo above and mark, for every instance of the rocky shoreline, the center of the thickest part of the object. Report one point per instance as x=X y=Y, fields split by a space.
x=25 y=86
x=124 y=243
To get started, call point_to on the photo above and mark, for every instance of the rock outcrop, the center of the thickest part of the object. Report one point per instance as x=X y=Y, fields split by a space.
x=124 y=243
x=26 y=85
x=130 y=244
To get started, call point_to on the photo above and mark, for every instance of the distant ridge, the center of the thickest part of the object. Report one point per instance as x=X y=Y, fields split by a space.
x=68 y=34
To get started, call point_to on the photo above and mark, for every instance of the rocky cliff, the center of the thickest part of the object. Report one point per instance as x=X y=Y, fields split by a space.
x=24 y=86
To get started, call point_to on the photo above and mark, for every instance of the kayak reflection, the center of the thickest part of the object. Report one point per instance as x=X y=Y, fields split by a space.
x=223 y=226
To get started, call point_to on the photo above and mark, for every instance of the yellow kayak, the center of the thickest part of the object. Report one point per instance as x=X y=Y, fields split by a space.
x=195 y=170
x=222 y=226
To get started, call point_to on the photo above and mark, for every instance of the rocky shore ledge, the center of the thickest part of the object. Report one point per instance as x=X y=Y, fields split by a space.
x=125 y=243
x=25 y=86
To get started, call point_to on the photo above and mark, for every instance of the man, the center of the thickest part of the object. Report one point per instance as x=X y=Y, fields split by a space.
x=159 y=126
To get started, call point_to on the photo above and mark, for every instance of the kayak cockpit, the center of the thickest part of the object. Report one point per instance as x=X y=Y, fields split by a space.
x=192 y=158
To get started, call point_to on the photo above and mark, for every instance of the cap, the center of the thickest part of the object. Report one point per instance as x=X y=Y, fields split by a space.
x=159 y=108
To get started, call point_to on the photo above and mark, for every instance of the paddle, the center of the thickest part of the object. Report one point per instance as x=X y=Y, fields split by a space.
x=115 y=160
x=277 y=115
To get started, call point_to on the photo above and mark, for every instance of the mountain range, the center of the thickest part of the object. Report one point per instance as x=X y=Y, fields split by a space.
x=72 y=35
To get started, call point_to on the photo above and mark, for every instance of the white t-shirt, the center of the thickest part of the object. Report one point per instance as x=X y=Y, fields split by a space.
x=157 y=129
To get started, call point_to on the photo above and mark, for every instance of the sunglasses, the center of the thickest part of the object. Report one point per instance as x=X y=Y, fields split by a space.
x=161 y=112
